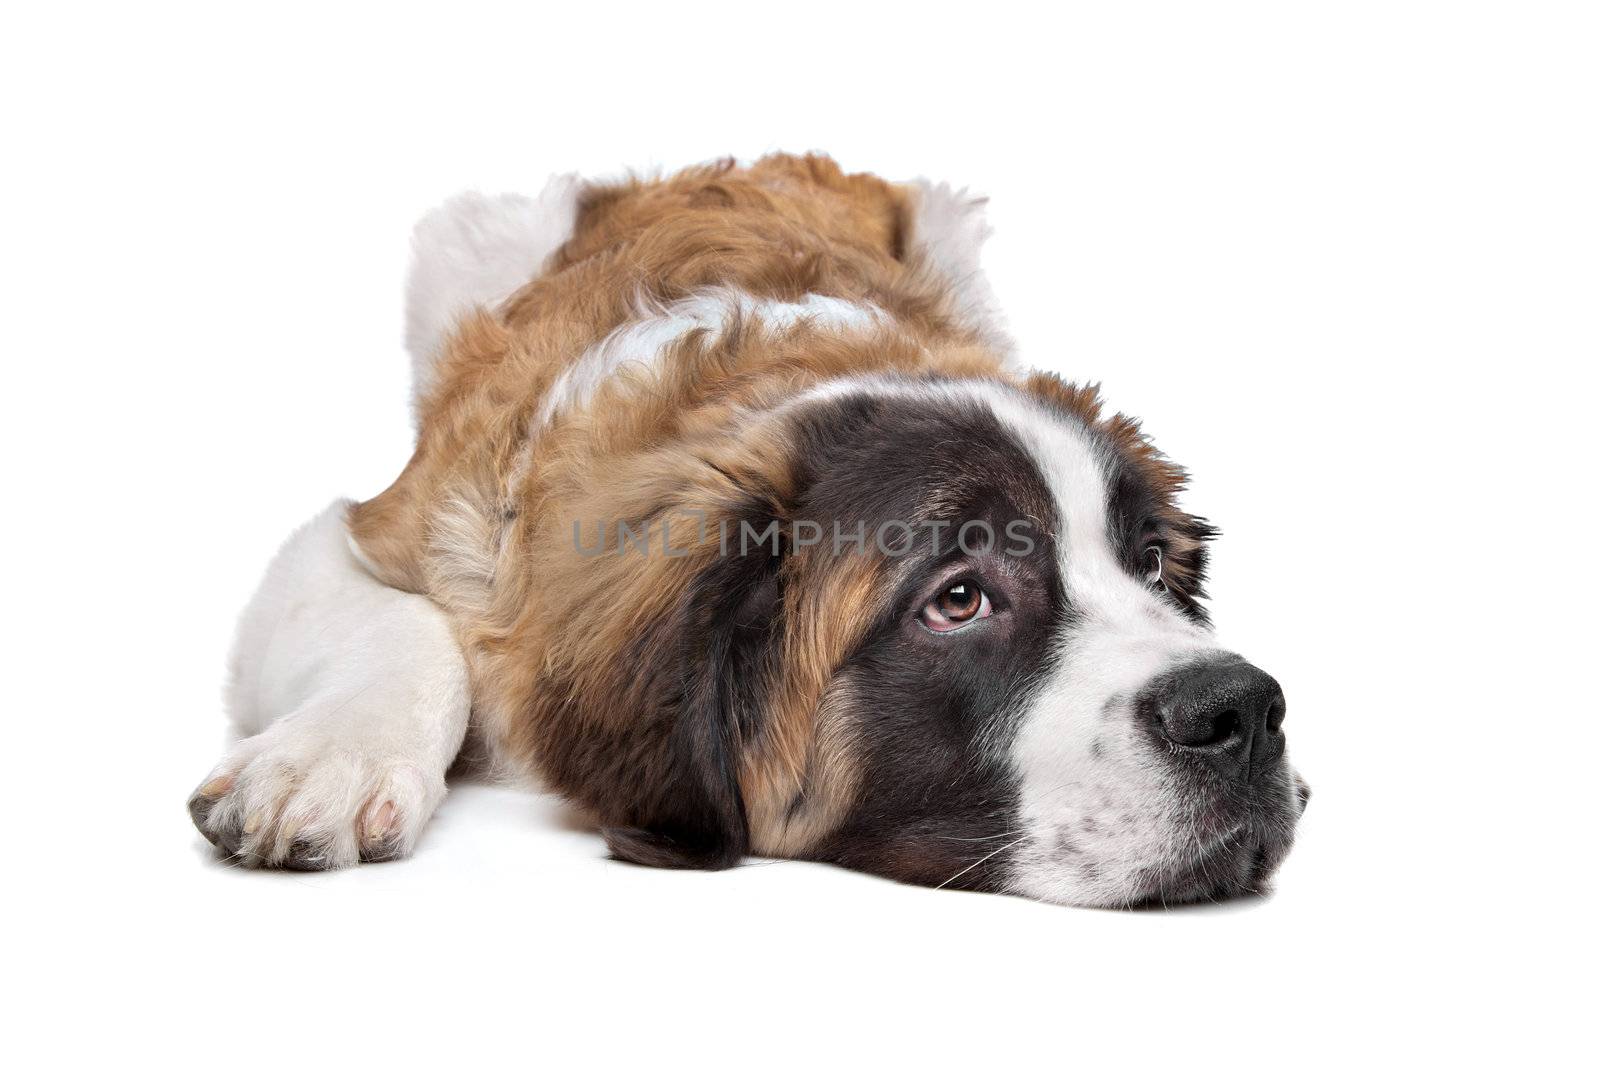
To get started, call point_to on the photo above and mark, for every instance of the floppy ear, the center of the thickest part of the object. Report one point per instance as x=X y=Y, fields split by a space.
x=721 y=656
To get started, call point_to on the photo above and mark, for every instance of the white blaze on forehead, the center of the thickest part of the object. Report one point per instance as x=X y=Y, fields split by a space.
x=1077 y=465
x=1095 y=803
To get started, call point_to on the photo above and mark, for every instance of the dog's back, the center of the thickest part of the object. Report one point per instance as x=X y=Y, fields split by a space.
x=626 y=377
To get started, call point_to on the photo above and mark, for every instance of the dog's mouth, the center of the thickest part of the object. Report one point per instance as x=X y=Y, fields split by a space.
x=1239 y=861
x=1241 y=866
x=1212 y=852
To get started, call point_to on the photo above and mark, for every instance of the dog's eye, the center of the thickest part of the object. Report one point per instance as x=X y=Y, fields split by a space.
x=1152 y=565
x=959 y=604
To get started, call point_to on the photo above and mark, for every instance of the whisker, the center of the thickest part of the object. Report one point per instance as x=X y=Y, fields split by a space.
x=968 y=867
x=990 y=837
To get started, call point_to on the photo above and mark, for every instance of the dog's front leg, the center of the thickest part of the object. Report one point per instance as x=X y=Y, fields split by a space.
x=352 y=700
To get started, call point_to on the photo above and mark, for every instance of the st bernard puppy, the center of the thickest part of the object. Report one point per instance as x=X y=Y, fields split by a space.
x=732 y=520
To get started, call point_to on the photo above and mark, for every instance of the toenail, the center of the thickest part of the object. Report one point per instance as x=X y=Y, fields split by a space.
x=381 y=822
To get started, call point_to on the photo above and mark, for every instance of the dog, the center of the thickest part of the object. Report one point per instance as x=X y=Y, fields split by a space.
x=734 y=520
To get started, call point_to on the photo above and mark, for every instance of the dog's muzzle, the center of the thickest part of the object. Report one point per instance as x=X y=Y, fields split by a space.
x=1220 y=724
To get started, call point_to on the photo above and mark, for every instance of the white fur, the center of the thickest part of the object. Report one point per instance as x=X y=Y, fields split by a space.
x=948 y=231
x=349 y=695
x=639 y=345
x=474 y=251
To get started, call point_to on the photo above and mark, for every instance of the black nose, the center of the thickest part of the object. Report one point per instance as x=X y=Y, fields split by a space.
x=1230 y=714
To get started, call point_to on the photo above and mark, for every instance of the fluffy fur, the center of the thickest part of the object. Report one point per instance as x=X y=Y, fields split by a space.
x=352 y=702
x=783 y=347
x=474 y=251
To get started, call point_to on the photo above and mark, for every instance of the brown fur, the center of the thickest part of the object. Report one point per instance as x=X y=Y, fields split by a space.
x=564 y=648
x=577 y=660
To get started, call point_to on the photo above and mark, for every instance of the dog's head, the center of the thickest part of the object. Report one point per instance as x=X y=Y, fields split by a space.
x=948 y=632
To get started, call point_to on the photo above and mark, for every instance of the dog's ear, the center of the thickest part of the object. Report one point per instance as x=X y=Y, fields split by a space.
x=713 y=665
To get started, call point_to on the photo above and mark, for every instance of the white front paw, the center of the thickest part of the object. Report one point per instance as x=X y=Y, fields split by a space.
x=304 y=797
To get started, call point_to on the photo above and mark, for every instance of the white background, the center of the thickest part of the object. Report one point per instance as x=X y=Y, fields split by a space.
x=1344 y=260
